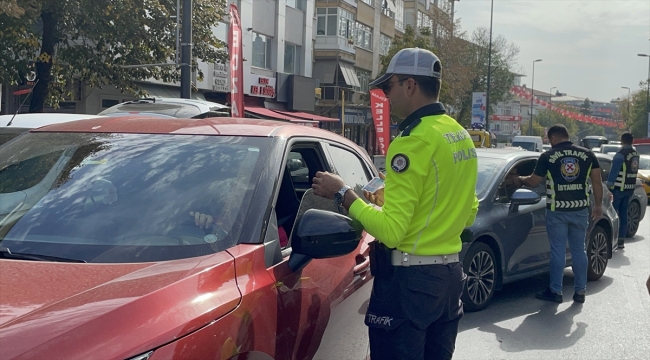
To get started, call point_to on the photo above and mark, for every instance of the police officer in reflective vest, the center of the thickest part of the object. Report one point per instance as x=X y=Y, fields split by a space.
x=428 y=200
x=566 y=168
x=622 y=181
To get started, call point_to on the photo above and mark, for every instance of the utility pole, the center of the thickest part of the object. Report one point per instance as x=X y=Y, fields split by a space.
x=186 y=51
x=487 y=94
x=627 y=119
x=532 y=98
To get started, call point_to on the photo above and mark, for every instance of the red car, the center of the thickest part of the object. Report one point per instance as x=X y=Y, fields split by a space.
x=149 y=238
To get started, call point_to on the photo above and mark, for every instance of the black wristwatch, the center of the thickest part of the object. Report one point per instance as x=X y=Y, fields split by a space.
x=340 y=195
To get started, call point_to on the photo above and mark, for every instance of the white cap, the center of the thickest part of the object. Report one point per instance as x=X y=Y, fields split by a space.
x=412 y=61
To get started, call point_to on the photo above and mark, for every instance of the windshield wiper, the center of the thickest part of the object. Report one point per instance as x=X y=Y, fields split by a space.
x=5 y=253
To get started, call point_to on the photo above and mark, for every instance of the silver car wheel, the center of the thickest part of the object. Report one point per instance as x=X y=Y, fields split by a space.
x=633 y=212
x=598 y=253
x=480 y=277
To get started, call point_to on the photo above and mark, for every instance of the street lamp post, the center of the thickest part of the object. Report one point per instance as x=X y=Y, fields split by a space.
x=550 y=92
x=628 y=103
x=487 y=94
x=647 y=96
x=532 y=98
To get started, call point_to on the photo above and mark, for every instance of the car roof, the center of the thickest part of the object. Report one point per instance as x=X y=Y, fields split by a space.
x=505 y=154
x=597 y=137
x=35 y=120
x=225 y=126
x=204 y=105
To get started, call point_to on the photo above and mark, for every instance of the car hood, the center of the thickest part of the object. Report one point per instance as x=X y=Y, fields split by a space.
x=67 y=310
x=644 y=173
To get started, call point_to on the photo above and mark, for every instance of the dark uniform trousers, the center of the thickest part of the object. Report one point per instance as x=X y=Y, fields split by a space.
x=414 y=312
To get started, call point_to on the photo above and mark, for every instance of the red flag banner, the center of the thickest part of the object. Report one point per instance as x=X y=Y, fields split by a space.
x=381 y=117
x=527 y=95
x=236 y=63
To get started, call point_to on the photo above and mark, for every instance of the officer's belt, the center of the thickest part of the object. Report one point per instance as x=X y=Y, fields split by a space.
x=400 y=258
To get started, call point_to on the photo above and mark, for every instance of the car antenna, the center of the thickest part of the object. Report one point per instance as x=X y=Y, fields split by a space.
x=21 y=104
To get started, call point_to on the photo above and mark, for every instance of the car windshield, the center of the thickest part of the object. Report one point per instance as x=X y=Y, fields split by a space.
x=643 y=149
x=125 y=197
x=525 y=145
x=488 y=168
x=644 y=163
x=176 y=110
x=592 y=143
x=611 y=148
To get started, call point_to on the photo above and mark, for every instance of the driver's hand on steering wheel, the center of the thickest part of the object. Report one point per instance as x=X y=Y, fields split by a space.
x=203 y=221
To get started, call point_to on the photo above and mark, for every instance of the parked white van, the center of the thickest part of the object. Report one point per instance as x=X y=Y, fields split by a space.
x=530 y=143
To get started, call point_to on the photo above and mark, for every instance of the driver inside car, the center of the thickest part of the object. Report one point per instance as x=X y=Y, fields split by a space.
x=509 y=185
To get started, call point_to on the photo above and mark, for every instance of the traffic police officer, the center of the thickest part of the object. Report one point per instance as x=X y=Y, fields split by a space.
x=622 y=181
x=428 y=200
x=567 y=168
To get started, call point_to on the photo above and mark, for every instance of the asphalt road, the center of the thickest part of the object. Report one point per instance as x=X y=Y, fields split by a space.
x=613 y=323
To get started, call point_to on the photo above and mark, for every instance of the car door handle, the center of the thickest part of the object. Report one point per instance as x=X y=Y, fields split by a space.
x=362 y=266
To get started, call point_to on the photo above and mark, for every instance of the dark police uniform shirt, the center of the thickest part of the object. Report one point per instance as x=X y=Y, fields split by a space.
x=567 y=168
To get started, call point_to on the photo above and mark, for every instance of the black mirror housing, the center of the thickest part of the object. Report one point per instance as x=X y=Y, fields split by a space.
x=323 y=234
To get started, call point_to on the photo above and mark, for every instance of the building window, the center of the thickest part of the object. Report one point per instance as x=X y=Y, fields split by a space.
x=106 y=103
x=364 y=37
x=508 y=110
x=369 y=2
x=297 y=4
x=445 y=5
x=291 y=58
x=399 y=14
x=346 y=24
x=364 y=79
x=326 y=24
x=424 y=21
x=388 y=8
x=261 y=51
x=384 y=44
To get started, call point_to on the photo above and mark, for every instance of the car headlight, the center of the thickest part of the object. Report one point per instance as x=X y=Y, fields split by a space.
x=144 y=356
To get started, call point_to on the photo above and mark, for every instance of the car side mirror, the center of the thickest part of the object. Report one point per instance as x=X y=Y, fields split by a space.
x=294 y=164
x=523 y=197
x=321 y=234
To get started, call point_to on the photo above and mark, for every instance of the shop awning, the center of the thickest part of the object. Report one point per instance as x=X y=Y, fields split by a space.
x=306 y=116
x=325 y=71
x=164 y=91
x=349 y=74
x=265 y=113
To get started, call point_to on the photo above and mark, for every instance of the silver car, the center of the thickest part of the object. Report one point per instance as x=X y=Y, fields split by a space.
x=638 y=202
x=508 y=240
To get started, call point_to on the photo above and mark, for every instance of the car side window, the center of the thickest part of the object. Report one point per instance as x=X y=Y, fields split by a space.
x=507 y=188
x=605 y=168
x=351 y=168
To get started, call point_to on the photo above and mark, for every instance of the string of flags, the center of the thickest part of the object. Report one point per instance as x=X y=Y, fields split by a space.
x=523 y=93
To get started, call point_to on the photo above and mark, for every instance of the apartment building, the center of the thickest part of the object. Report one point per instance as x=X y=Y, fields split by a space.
x=278 y=41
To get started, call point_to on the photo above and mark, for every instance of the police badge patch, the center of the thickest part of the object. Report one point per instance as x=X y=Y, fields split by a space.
x=634 y=164
x=399 y=163
x=570 y=168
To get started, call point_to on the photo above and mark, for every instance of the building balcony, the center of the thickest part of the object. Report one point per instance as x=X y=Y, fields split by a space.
x=334 y=43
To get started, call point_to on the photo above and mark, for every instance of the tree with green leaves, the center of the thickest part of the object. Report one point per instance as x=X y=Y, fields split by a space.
x=638 y=115
x=451 y=50
x=92 y=41
x=502 y=74
x=585 y=108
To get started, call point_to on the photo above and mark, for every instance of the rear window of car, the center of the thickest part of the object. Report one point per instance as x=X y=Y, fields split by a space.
x=643 y=149
x=111 y=198
x=530 y=146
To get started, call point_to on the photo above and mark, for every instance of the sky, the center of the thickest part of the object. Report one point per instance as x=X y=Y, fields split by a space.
x=588 y=47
